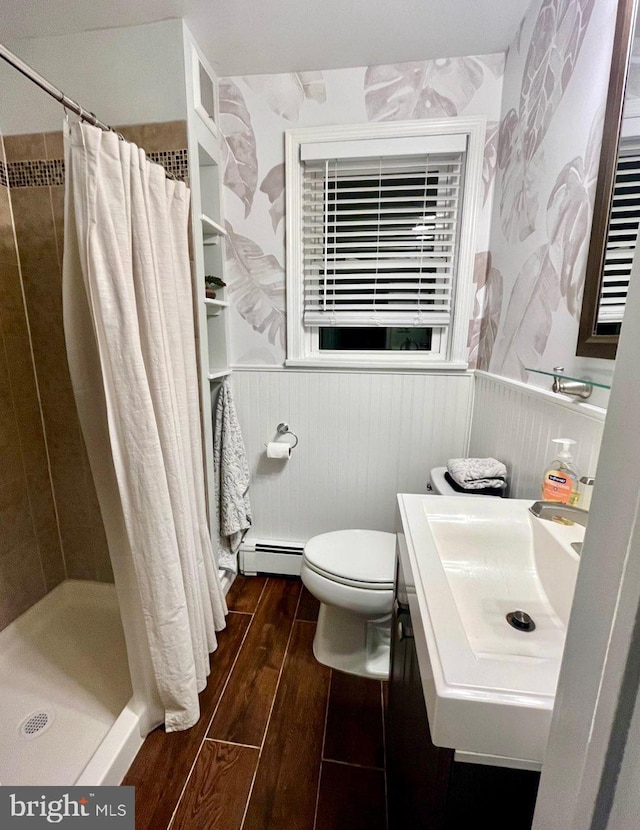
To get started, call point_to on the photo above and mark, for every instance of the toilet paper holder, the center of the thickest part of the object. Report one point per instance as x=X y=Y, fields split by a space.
x=283 y=429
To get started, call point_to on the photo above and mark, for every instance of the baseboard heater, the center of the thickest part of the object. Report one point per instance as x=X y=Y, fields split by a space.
x=269 y=557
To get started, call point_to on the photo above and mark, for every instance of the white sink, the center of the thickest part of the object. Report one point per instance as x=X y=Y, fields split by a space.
x=489 y=688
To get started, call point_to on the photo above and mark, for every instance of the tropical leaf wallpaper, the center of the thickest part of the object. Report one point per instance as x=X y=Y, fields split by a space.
x=544 y=123
x=548 y=149
x=552 y=54
x=529 y=315
x=286 y=93
x=238 y=145
x=483 y=326
x=256 y=110
x=273 y=186
x=490 y=159
x=422 y=89
x=256 y=286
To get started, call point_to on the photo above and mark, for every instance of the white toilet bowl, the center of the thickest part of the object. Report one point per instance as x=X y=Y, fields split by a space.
x=352 y=573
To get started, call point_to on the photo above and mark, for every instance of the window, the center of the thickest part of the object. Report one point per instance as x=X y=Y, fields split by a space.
x=204 y=91
x=622 y=236
x=380 y=242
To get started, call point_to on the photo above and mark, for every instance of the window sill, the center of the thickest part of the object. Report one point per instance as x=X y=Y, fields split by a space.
x=392 y=364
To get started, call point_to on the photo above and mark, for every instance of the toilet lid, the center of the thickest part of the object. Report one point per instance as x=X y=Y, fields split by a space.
x=364 y=556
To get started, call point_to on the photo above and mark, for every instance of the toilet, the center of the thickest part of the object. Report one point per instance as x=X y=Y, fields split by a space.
x=352 y=573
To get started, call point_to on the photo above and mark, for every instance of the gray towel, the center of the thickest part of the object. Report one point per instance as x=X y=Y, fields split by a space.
x=477 y=473
x=233 y=508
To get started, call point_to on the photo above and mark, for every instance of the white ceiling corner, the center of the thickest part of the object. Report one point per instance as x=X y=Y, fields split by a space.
x=243 y=37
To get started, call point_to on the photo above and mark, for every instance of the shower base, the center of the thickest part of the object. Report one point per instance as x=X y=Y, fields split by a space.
x=66 y=714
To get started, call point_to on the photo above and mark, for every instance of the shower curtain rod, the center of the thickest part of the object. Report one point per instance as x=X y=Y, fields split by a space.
x=50 y=89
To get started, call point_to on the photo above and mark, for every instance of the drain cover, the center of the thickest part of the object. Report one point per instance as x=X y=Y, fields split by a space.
x=521 y=620
x=36 y=723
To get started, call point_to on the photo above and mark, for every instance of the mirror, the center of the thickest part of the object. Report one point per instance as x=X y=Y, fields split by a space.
x=616 y=215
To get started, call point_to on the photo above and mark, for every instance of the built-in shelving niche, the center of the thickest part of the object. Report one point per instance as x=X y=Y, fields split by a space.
x=213 y=234
x=208 y=227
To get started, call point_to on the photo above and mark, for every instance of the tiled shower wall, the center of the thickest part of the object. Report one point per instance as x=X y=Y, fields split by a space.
x=37 y=198
x=35 y=175
x=31 y=561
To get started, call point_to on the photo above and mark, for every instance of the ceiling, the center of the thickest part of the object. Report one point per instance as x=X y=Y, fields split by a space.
x=242 y=37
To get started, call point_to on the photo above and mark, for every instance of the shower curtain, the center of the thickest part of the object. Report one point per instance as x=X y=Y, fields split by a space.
x=129 y=327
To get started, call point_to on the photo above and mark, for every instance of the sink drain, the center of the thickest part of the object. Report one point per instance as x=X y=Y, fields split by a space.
x=521 y=621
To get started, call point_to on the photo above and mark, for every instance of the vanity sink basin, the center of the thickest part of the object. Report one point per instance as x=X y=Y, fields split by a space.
x=467 y=563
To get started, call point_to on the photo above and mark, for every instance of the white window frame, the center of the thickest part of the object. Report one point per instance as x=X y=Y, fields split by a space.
x=198 y=62
x=303 y=343
x=629 y=146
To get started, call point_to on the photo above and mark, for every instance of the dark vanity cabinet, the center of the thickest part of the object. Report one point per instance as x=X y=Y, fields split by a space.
x=427 y=788
x=417 y=771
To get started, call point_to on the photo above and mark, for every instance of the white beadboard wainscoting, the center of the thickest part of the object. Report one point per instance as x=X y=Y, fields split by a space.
x=515 y=423
x=364 y=436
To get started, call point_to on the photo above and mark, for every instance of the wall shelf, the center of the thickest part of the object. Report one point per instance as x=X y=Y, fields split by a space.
x=222 y=373
x=561 y=374
x=211 y=230
x=566 y=384
x=214 y=307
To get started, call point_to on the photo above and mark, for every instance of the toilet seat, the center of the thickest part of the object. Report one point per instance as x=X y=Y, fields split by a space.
x=358 y=558
x=353 y=583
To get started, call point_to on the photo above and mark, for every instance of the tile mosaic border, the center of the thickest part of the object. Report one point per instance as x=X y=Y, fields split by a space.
x=50 y=172
x=35 y=173
x=175 y=162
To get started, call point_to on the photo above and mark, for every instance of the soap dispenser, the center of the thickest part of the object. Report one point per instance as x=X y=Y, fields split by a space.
x=560 y=480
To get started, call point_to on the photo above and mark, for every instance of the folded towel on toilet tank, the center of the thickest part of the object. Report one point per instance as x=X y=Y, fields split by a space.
x=477 y=473
x=484 y=491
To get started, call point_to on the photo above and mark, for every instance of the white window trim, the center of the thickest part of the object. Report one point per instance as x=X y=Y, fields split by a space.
x=302 y=343
x=197 y=61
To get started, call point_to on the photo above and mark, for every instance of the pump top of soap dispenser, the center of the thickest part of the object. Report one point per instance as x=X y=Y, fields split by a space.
x=567 y=443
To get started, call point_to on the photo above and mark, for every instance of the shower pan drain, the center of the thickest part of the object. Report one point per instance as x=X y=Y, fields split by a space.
x=35 y=724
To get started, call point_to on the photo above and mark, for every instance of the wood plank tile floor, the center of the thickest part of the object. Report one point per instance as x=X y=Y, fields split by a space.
x=283 y=743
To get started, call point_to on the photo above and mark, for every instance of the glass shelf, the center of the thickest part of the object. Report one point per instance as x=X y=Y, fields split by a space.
x=563 y=376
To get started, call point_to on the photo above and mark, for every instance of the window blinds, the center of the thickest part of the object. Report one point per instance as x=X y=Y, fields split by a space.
x=622 y=234
x=380 y=238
